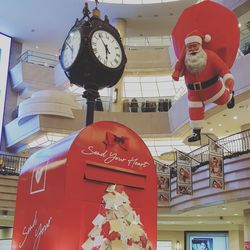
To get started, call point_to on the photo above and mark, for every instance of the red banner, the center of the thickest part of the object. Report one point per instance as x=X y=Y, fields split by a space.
x=184 y=174
x=164 y=183
x=216 y=165
x=247 y=245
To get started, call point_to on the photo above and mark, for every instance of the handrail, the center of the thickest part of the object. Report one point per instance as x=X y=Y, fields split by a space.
x=234 y=145
x=11 y=164
x=38 y=58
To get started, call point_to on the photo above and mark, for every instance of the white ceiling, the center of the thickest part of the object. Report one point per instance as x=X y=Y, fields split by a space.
x=46 y=23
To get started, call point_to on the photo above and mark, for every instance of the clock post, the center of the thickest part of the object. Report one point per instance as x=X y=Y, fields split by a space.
x=90 y=95
x=93 y=56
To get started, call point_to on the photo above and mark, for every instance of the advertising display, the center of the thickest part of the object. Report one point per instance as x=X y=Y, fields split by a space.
x=216 y=165
x=184 y=174
x=247 y=245
x=5 y=43
x=96 y=189
x=163 y=184
x=206 y=240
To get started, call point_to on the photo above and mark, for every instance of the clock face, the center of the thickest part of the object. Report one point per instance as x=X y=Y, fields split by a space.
x=71 y=48
x=106 y=49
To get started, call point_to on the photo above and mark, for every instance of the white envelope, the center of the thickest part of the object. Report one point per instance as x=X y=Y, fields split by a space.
x=88 y=244
x=99 y=220
x=95 y=231
x=98 y=240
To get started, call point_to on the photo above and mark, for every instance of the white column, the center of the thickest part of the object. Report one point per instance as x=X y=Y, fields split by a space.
x=120 y=25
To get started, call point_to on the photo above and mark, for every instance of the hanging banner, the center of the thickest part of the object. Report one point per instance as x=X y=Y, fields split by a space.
x=164 y=183
x=216 y=165
x=184 y=174
x=247 y=245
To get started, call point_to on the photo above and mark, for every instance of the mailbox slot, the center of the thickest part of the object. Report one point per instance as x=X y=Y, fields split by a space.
x=114 y=174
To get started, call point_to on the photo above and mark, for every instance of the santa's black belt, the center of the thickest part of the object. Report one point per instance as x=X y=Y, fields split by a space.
x=202 y=85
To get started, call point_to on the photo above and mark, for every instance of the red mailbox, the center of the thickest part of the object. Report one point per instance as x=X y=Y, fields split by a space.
x=96 y=189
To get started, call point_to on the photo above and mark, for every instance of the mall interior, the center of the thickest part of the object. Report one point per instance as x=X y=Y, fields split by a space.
x=41 y=107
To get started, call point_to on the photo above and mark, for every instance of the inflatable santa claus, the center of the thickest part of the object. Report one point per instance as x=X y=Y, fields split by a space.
x=206 y=41
x=202 y=70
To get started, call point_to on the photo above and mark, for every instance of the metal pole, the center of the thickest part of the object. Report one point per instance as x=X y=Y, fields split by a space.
x=90 y=95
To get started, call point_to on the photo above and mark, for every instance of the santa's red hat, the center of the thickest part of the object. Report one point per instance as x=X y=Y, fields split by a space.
x=196 y=37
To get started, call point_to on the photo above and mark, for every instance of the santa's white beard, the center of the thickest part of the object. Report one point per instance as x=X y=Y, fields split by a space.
x=197 y=62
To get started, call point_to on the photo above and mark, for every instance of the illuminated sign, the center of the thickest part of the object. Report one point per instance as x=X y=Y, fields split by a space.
x=5 y=43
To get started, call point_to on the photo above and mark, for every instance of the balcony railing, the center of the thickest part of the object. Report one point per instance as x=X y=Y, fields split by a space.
x=11 y=164
x=38 y=58
x=233 y=146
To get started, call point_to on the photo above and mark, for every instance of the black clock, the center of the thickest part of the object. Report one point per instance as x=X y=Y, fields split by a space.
x=92 y=54
x=106 y=49
x=71 y=48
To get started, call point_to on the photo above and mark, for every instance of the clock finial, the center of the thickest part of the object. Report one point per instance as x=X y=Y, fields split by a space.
x=86 y=11
x=96 y=11
x=96 y=3
x=106 y=19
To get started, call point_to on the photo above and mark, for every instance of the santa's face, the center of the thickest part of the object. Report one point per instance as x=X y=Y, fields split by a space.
x=193 y=48
x=195 y=59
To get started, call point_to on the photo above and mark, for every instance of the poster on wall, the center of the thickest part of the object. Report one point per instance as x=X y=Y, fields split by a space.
x=163 y=184
x=184 y=174
x=5 y=43
x=216 y=165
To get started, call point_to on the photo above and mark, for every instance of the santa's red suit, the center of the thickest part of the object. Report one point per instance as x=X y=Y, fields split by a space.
x=204 y=87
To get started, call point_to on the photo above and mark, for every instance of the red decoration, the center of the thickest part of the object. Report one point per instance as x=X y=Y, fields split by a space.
x=212 y=19
x=247 y=245
x=73 y=176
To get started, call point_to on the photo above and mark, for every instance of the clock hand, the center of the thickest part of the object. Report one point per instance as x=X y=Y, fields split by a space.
x=71 y=48
x=105 y=46
x=107 y=51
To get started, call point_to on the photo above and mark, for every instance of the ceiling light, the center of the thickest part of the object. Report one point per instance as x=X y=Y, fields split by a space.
x=198 y=215
x=236 y=214
x=239 y=25
x=224 y=208
x=219 y=124
x=37 y=47
x=228 y=222
x=235 y=117
x=211 y=129
x=199 y=222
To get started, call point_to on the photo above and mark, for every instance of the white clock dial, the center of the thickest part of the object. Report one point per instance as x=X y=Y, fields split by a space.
x=106 y=49
x=71 y=48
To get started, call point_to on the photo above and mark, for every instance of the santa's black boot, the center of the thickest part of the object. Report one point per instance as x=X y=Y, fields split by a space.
x=231 y=103
x=196 y=135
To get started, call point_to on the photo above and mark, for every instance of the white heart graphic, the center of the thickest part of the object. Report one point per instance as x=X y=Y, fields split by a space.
x=38 y=175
